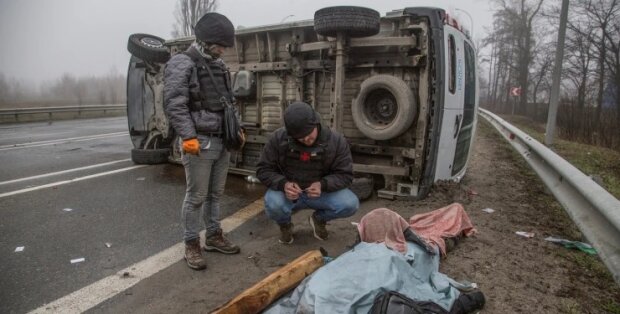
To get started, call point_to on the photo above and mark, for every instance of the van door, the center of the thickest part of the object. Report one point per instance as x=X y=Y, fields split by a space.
x=453 y=102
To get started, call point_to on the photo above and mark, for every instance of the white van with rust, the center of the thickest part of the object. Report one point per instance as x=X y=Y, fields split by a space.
x=402 y=88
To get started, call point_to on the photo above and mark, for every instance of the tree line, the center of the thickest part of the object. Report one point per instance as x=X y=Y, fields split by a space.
x=65 y=91
x=519 y=52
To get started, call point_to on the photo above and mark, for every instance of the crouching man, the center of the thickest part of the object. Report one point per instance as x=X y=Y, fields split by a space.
x=306 y=165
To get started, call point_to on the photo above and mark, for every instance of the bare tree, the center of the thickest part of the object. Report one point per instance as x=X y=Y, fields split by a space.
x=187 y=13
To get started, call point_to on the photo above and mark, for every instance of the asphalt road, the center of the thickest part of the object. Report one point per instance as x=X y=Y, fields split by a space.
x=68 y=191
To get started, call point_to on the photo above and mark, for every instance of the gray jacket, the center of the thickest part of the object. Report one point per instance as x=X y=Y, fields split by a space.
x=179 y=74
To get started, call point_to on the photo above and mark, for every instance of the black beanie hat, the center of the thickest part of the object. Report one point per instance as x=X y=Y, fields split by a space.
x=216 y=29
x=300 y=119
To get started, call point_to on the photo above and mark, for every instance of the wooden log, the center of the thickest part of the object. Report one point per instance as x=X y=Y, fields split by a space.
x=262 y=294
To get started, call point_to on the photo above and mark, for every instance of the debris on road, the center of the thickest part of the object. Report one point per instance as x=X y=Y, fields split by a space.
x=67 y=209
x=489 y=210
x=141 y=179
x=525 y=234
x=77 y=260
x=19 y=249
x=108 y=244
x=584 y=247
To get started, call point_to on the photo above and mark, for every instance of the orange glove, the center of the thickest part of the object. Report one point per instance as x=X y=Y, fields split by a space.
x=191 y=146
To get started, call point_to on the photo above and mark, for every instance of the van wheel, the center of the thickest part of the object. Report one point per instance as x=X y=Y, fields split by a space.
x=148 y=48
x=150 y=156
x=353 y=21
x=362 y=187
x=384 y=108
x=175 y=150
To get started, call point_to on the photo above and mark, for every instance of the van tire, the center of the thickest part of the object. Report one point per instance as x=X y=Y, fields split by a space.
x=362 y=187
x=150 y=156
x=353 y=21
x=384 y=108
x=148 y=48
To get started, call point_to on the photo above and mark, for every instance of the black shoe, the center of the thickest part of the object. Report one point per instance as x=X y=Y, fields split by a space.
x=468 y=302
x=318 y=228
x=286 y=233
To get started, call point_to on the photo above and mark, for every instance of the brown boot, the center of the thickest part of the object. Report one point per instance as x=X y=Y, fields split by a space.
x=286 y=233
x=318 y=228
x=193 y=255
x=217 y=242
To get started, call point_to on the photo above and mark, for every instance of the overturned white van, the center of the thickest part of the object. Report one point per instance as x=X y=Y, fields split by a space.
x=402 y=88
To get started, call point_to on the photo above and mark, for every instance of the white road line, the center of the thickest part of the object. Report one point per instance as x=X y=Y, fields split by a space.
x=106 y=288
x=63 y=172
x=34 y=188
x=62 y=140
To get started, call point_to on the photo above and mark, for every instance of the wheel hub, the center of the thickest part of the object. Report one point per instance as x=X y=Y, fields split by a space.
x=151 y=42
x=381 y=108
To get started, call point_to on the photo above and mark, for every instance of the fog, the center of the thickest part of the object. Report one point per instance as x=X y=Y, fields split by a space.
x=40 y=40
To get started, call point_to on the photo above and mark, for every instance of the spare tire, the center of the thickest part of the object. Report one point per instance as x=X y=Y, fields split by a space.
x=148 y=48
x=384 y=108
x=353 y=21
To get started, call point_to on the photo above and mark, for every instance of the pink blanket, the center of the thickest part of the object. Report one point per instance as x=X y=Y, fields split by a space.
x=446 y=222
x=383 y=225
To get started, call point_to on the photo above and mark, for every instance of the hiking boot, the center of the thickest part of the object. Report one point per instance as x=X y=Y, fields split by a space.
x=193 y=255
x=318 y=228
x=286 y=233
x=217 y=242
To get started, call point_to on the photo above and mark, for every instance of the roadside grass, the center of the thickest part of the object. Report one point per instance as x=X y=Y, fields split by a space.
x=591 y=160
x=588 y=267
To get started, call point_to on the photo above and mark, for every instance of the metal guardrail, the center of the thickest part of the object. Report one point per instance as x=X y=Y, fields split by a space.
x=15 y=113
x=594 y=210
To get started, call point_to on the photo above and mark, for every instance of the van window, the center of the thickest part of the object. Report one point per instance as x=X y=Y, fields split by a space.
x=452 y=64
x=467 y=126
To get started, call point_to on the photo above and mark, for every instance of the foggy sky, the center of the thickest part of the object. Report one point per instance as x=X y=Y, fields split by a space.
x=42 y=39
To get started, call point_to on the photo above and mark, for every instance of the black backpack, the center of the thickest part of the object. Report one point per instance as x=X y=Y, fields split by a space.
x=392 y=302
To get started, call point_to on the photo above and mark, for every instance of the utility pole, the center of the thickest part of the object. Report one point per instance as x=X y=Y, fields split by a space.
x=557 y=71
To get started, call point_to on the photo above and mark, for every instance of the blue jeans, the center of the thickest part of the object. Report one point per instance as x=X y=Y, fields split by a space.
x=205 y=176
x=328 y=206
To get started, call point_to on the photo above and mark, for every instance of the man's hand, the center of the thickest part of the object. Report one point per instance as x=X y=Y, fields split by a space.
x=292 y=190
x=314 y=190
x=191 y=146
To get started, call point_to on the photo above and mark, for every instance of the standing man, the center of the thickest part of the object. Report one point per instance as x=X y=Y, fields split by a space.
x=306 y=165
x=195 y=82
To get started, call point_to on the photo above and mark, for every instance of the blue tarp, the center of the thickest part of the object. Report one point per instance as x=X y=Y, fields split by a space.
x=350 y=283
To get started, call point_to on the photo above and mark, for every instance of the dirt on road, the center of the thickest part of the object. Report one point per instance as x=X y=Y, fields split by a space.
x=517 y=274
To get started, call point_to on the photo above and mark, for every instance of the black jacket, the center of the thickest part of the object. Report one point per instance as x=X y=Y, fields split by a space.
x=337 y=166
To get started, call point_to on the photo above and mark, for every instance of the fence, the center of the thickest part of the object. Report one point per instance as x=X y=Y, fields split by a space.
x=60 y=113
x=594 y=210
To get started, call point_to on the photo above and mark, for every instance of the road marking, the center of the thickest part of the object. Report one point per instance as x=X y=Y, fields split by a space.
x=63 y=172
x=62 y=140
x=106 y=288
x=49 y=185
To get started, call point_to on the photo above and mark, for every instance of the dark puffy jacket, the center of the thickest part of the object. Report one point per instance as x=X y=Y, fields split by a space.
x=178 y=75
x=337 y=166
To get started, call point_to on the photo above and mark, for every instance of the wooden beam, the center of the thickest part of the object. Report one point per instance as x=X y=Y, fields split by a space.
x=262 y=294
